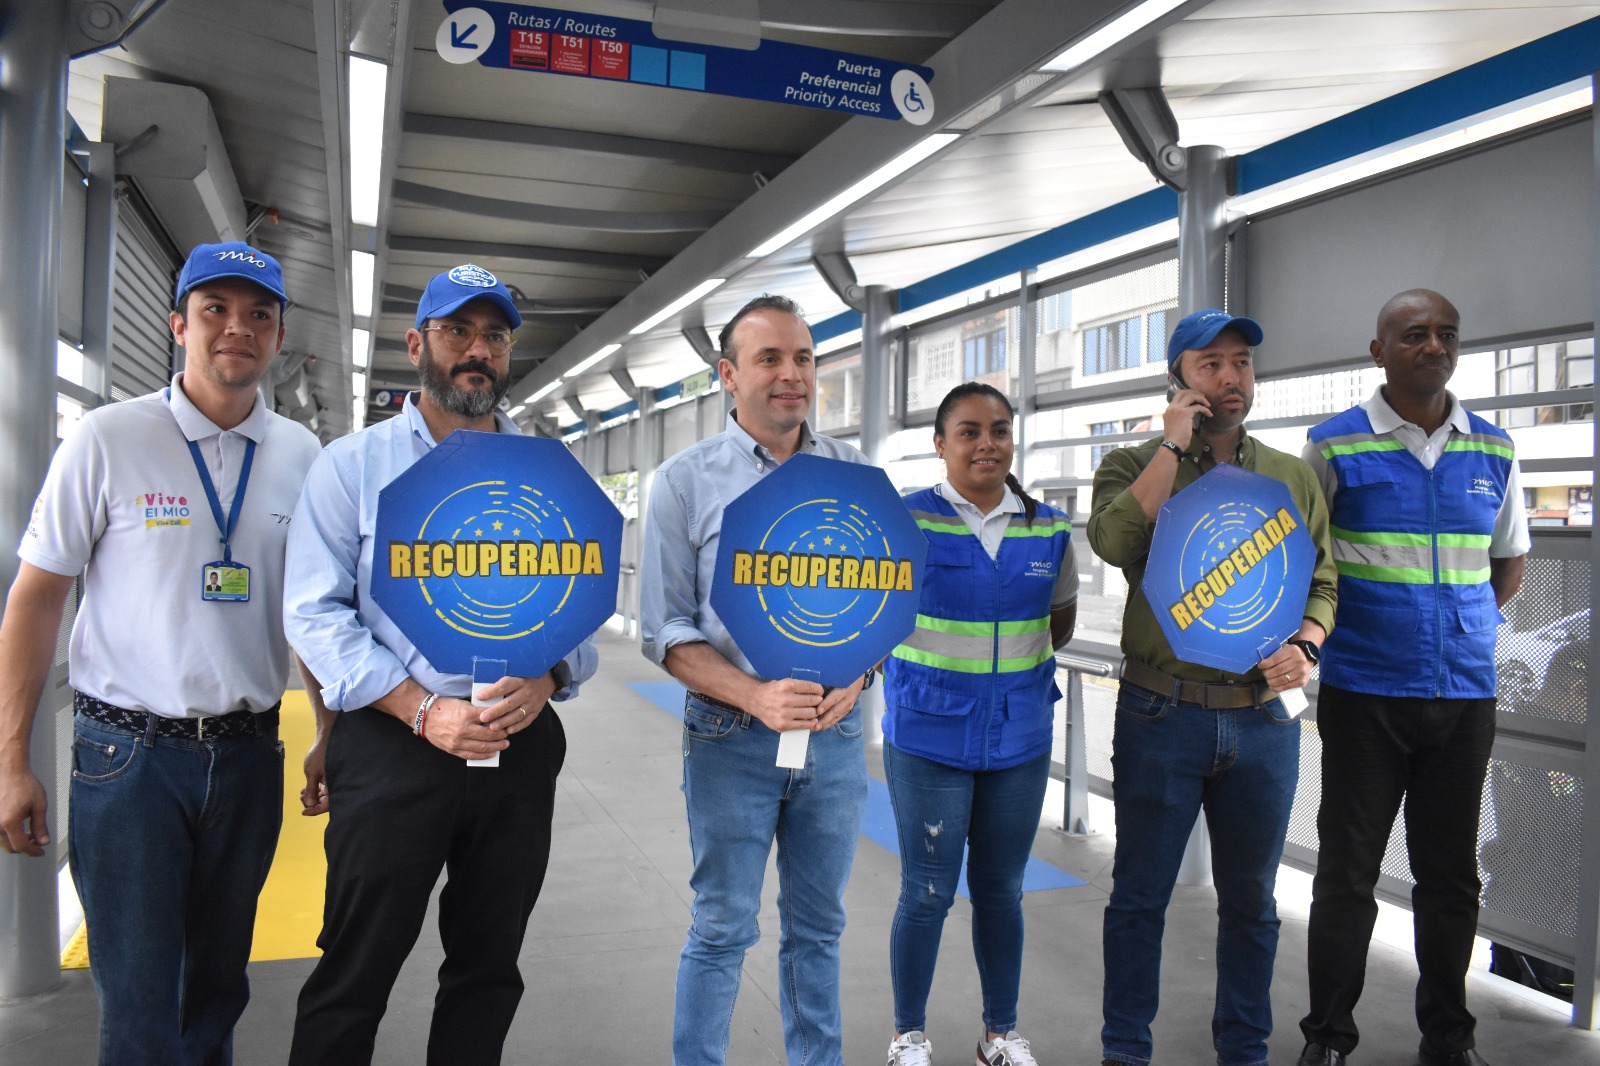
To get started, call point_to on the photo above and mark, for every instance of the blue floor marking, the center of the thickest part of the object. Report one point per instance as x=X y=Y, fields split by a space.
x=877 y=824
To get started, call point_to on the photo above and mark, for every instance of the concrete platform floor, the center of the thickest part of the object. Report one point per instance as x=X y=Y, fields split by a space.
x=601 y=951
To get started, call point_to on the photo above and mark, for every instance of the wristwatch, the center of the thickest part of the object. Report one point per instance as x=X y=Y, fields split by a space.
x=1313 y=653
x=561 y=673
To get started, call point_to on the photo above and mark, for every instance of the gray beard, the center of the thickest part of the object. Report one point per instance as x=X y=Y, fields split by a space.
x=441 y=388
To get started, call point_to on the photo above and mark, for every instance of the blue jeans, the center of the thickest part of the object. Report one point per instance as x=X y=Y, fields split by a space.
x=941 y=811
x=170 y=844
x=1169 y=761
x=739 y=802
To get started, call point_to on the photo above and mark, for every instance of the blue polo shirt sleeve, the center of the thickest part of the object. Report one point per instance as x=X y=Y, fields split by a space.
x=321 y=592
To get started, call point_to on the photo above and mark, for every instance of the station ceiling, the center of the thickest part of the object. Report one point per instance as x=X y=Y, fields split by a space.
x=602 y=201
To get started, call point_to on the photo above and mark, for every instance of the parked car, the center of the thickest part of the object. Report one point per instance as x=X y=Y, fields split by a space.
x=1545 y=670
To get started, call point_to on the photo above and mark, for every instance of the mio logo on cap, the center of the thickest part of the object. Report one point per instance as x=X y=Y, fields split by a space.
x=243 y=257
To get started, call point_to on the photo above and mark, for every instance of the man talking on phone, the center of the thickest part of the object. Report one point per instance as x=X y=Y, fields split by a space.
x=1191 y=737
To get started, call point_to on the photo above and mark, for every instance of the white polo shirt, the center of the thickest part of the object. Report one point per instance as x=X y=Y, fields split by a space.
x=124 y=505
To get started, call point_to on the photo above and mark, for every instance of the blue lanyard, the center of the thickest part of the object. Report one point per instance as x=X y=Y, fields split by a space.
x=216 y=503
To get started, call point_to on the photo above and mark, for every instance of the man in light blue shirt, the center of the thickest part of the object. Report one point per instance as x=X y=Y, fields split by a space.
x=403 y=802
x=738 y=800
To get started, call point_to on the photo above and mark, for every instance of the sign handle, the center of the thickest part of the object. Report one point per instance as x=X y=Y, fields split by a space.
x=485 y=672
x=793 y=743
x=1294 y=699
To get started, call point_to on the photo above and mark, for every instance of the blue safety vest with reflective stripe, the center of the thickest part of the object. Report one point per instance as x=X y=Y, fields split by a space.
x=974 y=685
x=1416 y=614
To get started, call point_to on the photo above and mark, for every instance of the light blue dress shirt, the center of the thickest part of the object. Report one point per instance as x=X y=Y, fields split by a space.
x=685 y=526
x=346 y=639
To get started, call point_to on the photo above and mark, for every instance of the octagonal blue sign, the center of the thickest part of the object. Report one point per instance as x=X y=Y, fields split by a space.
x=819 y=568
x=1229 y=569
x=497 y=546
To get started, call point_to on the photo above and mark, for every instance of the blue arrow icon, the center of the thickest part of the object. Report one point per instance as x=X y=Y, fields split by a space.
x=458 y=39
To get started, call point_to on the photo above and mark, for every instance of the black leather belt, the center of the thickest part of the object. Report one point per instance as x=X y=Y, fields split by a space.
x=210 y=727
x=1213 y=696
x=712 y=701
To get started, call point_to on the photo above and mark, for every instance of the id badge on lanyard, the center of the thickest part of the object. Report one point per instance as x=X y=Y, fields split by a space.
x=224 y=580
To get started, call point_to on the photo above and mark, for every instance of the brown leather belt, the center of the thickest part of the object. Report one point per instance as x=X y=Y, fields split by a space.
x=1213 y=696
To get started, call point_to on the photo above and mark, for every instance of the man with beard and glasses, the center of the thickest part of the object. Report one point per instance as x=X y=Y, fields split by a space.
x=1190 y=738
x=403 y=803
x=1431 y=541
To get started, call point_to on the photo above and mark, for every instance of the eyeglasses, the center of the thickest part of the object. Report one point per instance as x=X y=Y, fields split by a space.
x=458 y=338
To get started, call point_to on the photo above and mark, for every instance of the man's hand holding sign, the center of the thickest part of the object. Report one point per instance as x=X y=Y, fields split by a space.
x=816 y=580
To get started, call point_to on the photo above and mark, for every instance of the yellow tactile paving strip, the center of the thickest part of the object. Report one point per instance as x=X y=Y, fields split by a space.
x=290 y=912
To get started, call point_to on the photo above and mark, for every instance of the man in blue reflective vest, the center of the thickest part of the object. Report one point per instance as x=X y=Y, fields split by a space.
x=1430 y=539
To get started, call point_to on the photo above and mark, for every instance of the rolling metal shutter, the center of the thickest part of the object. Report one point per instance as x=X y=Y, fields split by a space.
x=146 y=270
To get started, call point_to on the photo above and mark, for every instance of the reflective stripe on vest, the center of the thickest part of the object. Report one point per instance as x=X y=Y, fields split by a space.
x=1408 y=557
x=978 y=647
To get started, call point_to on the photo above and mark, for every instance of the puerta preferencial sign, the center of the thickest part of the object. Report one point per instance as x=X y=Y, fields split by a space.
x=819 y=567
x=496 y=546
x=1230 y=566
x=542 y=39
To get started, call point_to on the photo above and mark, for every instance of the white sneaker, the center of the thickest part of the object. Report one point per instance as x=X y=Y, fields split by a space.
x=1008 y=1050
x=911 y=1049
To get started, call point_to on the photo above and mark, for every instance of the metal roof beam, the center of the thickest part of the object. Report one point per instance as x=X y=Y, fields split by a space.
x=853 y=18
x=398 y=299
x=702 y=344
x=1013 y=40
x=526 y=252
x=872 y=18
x=702 y=157
x=549 y=215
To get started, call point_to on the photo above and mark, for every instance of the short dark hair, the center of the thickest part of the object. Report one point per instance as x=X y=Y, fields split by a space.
x=765 y=302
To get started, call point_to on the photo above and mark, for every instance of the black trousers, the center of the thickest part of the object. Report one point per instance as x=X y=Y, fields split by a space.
x=1376 y=750
x=400 y=810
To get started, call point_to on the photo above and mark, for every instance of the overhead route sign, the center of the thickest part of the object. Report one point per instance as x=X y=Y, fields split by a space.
x=593 y=46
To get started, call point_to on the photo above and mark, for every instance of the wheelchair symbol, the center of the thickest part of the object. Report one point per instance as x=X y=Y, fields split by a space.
x=912 y=96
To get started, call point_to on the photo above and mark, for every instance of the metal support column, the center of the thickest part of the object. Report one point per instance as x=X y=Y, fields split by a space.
x=1586 y=983
x=645 y=458
x=99 y=259
x=1027 y=340
x=1202 y=281
x=1075 y=815
x=594 y=453
x=1203 y=231
x=877 y=349
x=33 y=110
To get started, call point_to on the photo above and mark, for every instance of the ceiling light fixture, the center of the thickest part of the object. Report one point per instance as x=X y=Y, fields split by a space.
x=677 y=305
x=369 y=83
x=1111 y=34
x=360 y=347
x=587 y=363
x=362 y=265
x=878 y=178
x=542 y=393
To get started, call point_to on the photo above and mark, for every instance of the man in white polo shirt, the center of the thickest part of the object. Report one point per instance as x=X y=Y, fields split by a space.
x=174 y=508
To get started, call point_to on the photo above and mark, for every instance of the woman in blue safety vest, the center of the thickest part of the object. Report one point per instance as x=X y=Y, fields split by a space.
x=971 y=701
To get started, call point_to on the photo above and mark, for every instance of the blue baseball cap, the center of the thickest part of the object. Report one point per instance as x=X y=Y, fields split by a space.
x=234 y=259
x=461 y=285
x=1201 y=328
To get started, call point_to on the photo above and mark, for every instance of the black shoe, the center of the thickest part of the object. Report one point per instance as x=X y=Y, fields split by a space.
x=1318 y=1055
x=1469 y=1057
